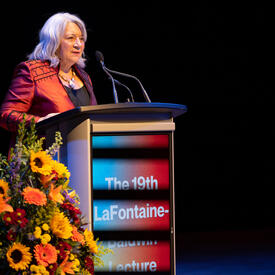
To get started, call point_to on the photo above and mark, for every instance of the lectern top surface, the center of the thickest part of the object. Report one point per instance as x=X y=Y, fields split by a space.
x=137 y=107
x=169 y=109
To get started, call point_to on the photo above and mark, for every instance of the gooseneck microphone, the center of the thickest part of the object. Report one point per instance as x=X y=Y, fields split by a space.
x=126 y=88
x=100 y=58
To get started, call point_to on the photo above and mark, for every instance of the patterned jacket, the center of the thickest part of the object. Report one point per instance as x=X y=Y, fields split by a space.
x=36 y=91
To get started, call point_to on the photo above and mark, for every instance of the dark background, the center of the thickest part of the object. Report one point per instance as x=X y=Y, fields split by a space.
x=216 y=58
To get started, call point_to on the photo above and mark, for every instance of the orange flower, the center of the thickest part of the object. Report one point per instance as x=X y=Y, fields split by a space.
x=77 y=237
x=34 y=196
x=4 y=207
x=55 y=195
x=45 y=179
x=45 y=254
x=66 y=267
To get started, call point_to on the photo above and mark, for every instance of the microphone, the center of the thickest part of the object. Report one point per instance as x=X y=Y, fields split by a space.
x=100 y=58
x=125 y=87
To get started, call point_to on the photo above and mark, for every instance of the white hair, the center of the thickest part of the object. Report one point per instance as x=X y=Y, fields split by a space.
x=50 y=36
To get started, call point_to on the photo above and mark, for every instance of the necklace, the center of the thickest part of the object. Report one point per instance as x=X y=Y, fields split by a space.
x=71 y=82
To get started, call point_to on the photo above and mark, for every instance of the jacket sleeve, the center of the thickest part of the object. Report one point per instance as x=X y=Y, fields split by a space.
x=18 y=99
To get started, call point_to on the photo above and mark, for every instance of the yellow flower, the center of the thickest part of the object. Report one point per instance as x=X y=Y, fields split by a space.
x=41 y=162
x=39 y=270
x=61 y=171
x=18 y=256
x=73 y=195
x=45 y=238
x=33 y=268
x=76 y=262
x=60 y=226
x=4 y=187
x=75 y=266
x=45 y=227
x=91 y=243
x=37 y=232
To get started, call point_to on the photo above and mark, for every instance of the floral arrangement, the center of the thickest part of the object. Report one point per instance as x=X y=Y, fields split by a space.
x=42 y=230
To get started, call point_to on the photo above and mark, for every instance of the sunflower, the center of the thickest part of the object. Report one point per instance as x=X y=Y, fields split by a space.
x=91 y=243
x=60 y=226
x=4 y=187
x=61 y=170
x=18 y=256
x=41 y=162
x=45 y=254
x=34 y=196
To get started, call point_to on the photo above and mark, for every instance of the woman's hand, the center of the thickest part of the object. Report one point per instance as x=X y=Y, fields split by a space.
x=47 y=116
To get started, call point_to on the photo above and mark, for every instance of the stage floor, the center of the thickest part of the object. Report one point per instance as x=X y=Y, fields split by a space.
x=228 y=252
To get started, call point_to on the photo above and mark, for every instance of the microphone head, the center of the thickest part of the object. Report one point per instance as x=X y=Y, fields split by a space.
x=99 y=56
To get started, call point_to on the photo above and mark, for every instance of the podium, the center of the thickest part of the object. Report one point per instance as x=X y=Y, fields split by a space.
x=121 y=159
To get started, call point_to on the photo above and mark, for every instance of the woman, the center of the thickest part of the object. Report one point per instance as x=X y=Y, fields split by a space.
x=53 y=80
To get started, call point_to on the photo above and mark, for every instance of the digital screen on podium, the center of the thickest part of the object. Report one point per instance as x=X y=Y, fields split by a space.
x=131 y=215
x=137 y=256
x=131 y=201
x=130 y=174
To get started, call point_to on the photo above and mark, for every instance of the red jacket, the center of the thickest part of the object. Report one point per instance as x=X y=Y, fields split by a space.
x=37 y=91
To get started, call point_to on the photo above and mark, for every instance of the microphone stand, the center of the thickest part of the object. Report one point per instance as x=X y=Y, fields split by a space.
x=125 y=87
x=113 y=82
x=131 y=76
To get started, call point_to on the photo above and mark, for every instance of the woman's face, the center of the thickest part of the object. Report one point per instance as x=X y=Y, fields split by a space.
x=71 y=45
